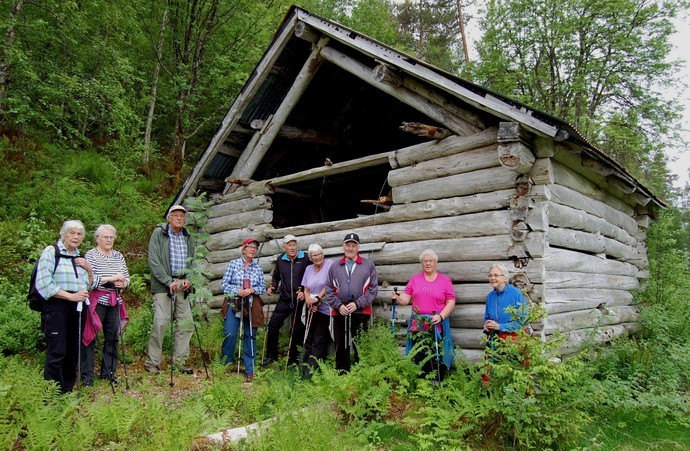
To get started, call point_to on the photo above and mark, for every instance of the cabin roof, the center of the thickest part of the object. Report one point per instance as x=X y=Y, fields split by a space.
x=341 y=117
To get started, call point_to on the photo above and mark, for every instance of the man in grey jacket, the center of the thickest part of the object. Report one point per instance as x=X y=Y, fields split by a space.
x=351 y=288
x=170 y=247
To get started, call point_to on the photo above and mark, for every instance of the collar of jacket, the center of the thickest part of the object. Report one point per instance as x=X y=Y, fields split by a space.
x=358 y=260
x=166 y=226
x=300 y=254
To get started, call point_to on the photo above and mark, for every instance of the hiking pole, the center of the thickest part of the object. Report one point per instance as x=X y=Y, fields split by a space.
x=292 y=329
x=241 y=335
x=250 y=300
x=122 y=353
x=310 y=316
x=171 y=295
x=80 y=307
x=393 y=304
x=438 y=364
x=198 y=339
x=263 y=353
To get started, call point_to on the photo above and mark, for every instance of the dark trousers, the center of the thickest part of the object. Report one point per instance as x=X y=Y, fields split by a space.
x=358 y=322
x=60 y=321
x=427 y=351
x=316 y=345
x=110 y=318
x=278 y=317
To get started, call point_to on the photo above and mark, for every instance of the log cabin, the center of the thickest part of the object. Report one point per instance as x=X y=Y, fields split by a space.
x=335 y=132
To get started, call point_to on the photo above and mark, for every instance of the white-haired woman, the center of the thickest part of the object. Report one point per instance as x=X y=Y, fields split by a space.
x=314 y=283
x=106 y=302
x=505 y=314
x=64 y=286
x=433 y=300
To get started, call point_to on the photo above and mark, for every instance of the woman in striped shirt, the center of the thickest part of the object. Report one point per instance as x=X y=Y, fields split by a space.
x=106 y=302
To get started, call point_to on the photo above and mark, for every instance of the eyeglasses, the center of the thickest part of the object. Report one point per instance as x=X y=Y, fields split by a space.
x=428 y=261
x=177 y=216
x=316 y=256
x=252 y=246
x=108 y=238
x=495 y=276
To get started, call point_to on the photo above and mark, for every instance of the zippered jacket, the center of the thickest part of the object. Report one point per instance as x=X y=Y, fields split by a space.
x=287 y=275
x=159 y=257
x=361 y=284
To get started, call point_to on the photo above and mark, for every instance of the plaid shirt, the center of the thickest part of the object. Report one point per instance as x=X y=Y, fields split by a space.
x=232 y=279
x=68 y=276
x=178 y=252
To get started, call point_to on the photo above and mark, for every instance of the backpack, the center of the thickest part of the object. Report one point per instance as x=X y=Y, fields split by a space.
x=34 y=298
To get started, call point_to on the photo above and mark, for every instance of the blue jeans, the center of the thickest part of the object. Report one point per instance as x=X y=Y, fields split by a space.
x=230 y=334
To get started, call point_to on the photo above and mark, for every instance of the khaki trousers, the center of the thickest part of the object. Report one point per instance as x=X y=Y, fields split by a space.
x=161 y=320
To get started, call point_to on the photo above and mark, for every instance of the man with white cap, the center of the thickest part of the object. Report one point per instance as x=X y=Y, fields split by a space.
x=287 y=279
x=170 y=247
x=351 y=288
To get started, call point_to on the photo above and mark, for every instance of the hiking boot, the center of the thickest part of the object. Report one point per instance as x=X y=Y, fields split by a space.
x=153 y=369
x=249 y=377
x=186 y=370
x=267 y=362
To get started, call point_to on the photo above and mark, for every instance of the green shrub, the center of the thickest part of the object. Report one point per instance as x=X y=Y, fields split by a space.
x=20 y=327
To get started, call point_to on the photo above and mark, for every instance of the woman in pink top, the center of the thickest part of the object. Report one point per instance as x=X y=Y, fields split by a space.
x=433 y=300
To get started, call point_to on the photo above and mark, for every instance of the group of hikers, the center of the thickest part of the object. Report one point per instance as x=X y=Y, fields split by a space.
x=328 y=303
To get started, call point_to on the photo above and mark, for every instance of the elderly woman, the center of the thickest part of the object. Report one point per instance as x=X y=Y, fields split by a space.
x=505 y=312
x=319 y=313
x=242 y=282
x=64 y=287
x=498 y=318
x=433 y=300
x=106 y=302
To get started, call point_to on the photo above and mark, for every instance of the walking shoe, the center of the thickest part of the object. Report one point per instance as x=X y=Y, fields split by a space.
x=267 y=362
x=249 y=377
x=186 y=370
x=153 y=369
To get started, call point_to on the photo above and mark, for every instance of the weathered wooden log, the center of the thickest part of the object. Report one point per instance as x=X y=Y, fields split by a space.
x=242 y=192
x=567 y=260
x=566 y=176
x=460 y=272
x=571 y=299
x=476 y=224
x=561 y=322
x=240 y=206
x=478 y=248
x=306 y=32
x=542 y=172
x=239 y=220
x=590 y=242
x=424 y=130
x=571 y=198
x=460 y=163
x=388 y=75
x=576 y=338
x=564 y=279
x=470 y=316
x=571 y=218
x=481 y=181
x=445 y=147
x=233 y=238
x=516 y=156
x=436 y=112
x=465 y=293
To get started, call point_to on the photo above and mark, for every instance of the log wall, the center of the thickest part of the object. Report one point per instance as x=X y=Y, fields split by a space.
x=494 y=196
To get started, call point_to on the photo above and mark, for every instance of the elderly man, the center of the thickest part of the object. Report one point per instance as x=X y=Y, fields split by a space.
x=170 y=247
x=352 y=286
x=287 y=280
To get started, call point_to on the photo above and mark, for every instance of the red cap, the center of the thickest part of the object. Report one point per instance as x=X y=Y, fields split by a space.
x=249 y=241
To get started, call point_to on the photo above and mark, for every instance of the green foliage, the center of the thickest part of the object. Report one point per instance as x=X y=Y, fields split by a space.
x=558 y=57
x=20 y=327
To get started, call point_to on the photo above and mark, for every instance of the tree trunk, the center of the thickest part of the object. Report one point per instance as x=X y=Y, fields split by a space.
x=154 y=87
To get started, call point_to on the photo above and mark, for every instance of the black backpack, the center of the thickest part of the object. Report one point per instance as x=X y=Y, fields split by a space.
x=34 y=298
